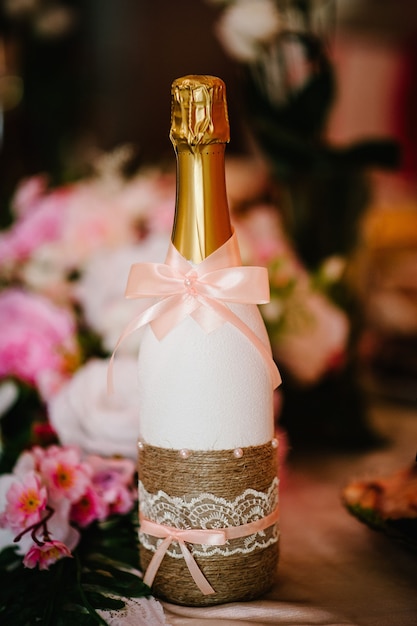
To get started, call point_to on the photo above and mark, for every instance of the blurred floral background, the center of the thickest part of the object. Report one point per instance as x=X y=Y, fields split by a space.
x=321 y=177
x=320 y=174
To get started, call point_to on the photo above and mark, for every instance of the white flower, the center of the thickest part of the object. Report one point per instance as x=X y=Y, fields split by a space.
x=333 y=268
x=101 y=290
x=247 y=25
x=46 y=271
x=85 y=415
x=273 y=310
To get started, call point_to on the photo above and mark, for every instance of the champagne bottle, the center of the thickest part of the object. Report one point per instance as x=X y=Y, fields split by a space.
x=198 y=390
x=207 y=453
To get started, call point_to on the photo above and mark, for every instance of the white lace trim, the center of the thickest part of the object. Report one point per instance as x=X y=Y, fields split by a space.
x=207 y=511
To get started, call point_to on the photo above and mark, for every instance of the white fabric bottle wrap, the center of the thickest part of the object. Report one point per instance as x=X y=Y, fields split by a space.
x=205 y=391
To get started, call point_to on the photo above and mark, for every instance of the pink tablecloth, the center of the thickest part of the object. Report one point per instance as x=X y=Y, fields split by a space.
x=333 y=570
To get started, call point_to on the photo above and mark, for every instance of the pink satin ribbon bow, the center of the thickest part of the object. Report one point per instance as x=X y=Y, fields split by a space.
x=210 y=536
x=200 y=291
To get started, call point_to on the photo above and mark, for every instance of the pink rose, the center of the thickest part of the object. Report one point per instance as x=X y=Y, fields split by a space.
x=42 y=224
x=36 y=338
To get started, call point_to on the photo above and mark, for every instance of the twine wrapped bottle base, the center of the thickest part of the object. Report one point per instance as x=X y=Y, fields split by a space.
x=211 y=489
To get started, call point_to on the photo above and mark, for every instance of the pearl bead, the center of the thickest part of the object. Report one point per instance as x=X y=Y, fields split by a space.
x=184 y=453
x=274 y=443
x=189 y=283
x=238 y=453
x=141 y=445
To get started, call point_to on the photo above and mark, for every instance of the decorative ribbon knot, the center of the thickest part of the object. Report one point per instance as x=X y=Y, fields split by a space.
x=199 y=291
x=189 y=283
x=202 y=536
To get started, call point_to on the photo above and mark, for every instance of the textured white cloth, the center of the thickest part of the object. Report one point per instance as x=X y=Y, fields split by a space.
x=137 y=612
x=258 y=613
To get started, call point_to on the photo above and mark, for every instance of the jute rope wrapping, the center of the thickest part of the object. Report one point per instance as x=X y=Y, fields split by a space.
x=225 y=474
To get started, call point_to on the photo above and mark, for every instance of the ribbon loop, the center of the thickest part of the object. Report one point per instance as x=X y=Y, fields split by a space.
x=205 y=536
x=170 y=534
x=201 y=291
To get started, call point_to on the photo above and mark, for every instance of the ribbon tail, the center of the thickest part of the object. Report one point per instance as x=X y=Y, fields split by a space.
x=228 y=316
x=198 y=576
x=148 y=315
x=234 y=532
x=156 y=561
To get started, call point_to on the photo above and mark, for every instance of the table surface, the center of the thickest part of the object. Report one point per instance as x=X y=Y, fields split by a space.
x=333 y=570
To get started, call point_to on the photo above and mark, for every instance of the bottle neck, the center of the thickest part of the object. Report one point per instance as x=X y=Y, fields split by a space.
x=202 y=220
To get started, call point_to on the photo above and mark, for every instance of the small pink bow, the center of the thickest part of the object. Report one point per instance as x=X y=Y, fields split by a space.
x=202 y=536
x=200 y=291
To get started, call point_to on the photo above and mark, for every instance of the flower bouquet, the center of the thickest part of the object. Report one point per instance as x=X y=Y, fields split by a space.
x=73 y=518
x=68 y=493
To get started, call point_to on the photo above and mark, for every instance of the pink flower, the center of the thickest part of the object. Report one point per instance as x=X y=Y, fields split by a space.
x=247 y=27
x=316 y=342
x=46 y=554
x=44 y=434
x=111 y=490
x=29 y=461
x=50 y=490
x=36 y=339
x=122 y=501
x=41 y=224
x=28 y=193
x=90 y=507
x=113 y=480
x=64 y=474
x=26 y=500
x=261 y=235
x=101 y=292
x=25 y=463
x=160 y=219
x=91 y=224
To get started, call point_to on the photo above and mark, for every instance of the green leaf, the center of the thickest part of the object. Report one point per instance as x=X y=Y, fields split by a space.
x=9 y=559
x=100 y=601
x=16 y=425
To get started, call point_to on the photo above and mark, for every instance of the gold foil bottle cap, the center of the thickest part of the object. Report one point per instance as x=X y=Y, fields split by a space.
x=199 y=111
